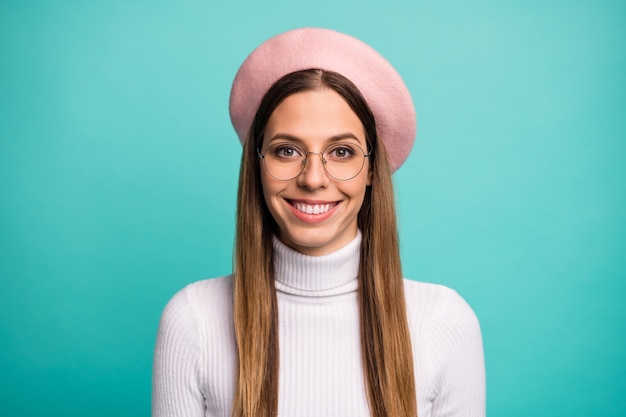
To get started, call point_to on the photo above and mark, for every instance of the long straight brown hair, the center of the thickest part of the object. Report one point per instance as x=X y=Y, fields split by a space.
x=385 y=341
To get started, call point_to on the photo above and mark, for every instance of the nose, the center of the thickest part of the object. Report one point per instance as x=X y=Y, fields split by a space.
x=313 y=175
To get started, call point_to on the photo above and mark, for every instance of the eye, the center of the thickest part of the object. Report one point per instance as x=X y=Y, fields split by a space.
x=285 y=151
x=341 y=151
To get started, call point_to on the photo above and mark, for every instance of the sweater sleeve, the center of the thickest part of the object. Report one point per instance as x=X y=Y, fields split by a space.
x=457 y=351
x=177 y=361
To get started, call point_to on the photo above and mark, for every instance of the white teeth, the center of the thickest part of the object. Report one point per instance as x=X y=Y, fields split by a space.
x=313 y=208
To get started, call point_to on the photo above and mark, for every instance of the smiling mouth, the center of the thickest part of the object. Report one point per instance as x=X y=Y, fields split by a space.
x=313 y=208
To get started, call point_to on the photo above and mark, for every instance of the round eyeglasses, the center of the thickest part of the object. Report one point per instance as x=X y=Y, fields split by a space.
x=342 y=160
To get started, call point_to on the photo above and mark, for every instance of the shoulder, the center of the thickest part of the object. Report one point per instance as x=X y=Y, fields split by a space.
x=214 y=290
x=191 y=304
x=436 y=308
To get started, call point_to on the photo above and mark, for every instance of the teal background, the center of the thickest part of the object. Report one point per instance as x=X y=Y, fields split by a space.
x=118 y=169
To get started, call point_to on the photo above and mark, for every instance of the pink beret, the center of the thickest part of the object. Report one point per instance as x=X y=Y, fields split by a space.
x=307 y=48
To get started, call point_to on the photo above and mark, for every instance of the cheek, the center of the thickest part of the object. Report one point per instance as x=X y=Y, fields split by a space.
x=270 y=189
x=359 y=191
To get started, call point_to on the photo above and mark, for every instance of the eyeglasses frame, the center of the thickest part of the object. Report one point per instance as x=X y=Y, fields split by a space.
x=306 y=158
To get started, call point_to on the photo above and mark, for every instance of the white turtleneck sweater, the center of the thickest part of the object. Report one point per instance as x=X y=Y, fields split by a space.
x=320 y=354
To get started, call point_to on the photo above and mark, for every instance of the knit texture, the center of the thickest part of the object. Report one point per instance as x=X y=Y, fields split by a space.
x=320 y=372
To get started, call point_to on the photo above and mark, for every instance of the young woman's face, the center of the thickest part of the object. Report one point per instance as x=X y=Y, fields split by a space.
x=316 y=214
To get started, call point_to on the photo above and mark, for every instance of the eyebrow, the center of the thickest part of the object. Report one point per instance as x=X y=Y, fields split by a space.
x=334 y=138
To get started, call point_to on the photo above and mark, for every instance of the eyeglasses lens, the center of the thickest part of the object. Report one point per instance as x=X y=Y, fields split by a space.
x=342 y=161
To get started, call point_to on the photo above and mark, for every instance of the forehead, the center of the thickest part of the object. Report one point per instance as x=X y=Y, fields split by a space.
x=314 y=116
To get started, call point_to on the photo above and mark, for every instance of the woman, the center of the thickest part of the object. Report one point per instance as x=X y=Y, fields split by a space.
x=316 y=319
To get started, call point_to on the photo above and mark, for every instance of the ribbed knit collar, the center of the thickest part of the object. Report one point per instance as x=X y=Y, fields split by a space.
x=317 y=276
